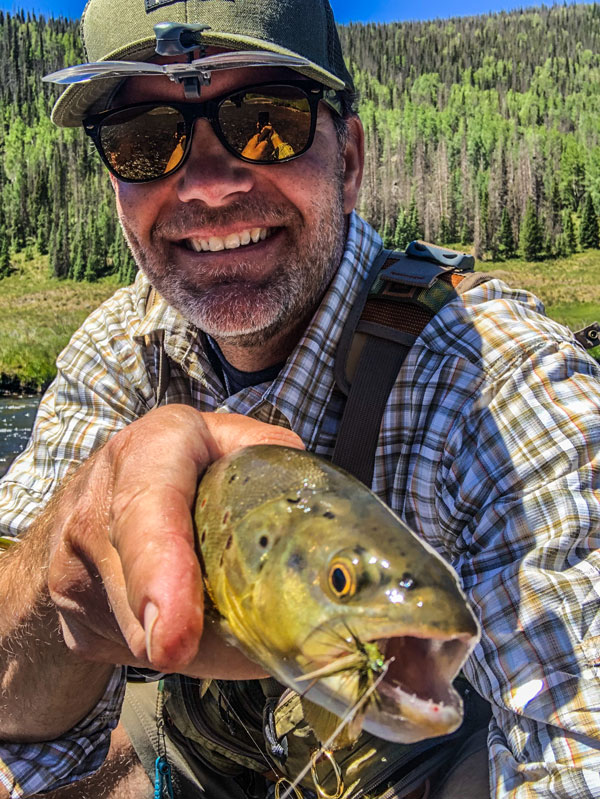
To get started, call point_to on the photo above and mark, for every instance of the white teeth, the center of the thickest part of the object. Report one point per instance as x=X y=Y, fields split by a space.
x=215 y=244
x=231 y=242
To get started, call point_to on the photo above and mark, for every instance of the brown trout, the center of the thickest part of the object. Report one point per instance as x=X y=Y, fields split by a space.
x=316 y=579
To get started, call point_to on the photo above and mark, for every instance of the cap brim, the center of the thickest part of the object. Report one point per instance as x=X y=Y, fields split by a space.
x=81 y=99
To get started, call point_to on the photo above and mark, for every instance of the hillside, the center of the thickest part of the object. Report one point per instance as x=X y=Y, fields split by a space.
x=471 y=124
x=481 y=132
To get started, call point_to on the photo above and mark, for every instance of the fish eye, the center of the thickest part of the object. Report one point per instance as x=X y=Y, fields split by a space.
x=342 y=579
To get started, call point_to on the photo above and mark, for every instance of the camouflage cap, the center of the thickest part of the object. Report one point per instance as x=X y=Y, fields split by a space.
x=115 y=30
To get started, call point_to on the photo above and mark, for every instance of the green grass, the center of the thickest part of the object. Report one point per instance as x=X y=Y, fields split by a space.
x=38 y=315
x=568 y=287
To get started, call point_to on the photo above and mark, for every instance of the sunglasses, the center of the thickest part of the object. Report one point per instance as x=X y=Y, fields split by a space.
x=267 y=123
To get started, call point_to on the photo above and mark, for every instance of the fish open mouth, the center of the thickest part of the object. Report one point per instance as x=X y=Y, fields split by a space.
x=414 y=697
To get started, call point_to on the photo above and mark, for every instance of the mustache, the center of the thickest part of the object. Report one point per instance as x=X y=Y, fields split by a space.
x=195 y=214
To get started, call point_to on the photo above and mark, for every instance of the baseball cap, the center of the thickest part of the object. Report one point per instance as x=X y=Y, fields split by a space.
x=123 y=30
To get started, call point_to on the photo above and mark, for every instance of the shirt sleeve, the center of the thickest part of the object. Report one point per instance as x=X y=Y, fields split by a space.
x=520 y=481
x=28 y=769
x=101 y=386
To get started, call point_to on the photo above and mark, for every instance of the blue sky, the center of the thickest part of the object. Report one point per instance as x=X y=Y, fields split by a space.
x=344 y=10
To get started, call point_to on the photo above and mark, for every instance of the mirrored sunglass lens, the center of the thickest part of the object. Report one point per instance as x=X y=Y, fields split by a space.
x=143 y=143
x=267 y=124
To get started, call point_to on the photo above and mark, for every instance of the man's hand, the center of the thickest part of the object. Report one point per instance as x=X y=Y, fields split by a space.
x=123 y=569
x=259 y=146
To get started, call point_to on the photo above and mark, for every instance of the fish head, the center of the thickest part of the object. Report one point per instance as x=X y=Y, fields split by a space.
x=348 y=592
x=323 y=585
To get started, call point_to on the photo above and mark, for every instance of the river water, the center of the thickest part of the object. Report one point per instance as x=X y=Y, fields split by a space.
x=17 y=415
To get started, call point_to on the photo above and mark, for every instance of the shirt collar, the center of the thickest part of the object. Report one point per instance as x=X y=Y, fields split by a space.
x=303 y=388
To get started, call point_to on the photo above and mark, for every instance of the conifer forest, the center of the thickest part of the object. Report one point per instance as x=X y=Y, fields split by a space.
x=482 y=132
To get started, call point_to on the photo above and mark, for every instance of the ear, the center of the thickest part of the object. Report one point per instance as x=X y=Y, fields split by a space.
x=354 y=159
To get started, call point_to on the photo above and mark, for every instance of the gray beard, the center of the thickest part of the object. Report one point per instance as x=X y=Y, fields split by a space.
x=292 y=291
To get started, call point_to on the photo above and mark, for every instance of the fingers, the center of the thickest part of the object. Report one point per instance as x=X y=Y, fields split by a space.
x=137 y=532
x=229 y=432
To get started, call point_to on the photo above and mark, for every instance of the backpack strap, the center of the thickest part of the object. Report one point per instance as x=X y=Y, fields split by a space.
x=404 y=291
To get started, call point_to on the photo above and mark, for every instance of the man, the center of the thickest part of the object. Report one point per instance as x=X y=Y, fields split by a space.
x=487 y=448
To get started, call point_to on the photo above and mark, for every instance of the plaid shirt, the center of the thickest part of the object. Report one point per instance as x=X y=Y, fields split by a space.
x=488 y=450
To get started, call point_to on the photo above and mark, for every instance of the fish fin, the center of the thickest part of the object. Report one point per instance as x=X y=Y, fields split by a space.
x=324 y=724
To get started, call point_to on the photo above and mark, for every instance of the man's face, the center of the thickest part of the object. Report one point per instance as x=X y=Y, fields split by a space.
x=241 y=293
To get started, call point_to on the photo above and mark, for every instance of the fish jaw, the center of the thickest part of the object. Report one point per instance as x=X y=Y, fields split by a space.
x=414 y=699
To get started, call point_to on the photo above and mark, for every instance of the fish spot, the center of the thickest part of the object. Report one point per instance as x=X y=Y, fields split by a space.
x=329 y=515
x=226 y=516
x=233 y=477
x=245 y=480
x=203 y=503
x=296 y=562
x=203 y=536
x=293 y=500
x=229 y=542
x=263 y=541
x=407 y=581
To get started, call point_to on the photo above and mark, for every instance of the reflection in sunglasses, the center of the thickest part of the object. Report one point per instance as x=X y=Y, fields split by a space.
x=262 y=124
x=267 y=145
x=176 y=155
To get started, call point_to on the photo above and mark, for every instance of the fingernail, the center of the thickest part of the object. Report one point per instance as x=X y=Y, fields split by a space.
x=150 y=618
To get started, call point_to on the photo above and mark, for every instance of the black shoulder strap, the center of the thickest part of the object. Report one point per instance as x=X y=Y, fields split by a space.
x=402 y=294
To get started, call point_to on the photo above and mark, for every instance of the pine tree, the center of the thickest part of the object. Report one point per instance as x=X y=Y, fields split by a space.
x=126 y=266
x=445 y=234
x=588 y=232
x=566 y=242
x=569 y=231
x=506 y=240
x=414 y=221
x=59 y=248
x=403 y=233
x=388 y=238
x=42 y=233
x=466 y=232
x=95 y=258
x=77 y=262
x=531 y=239
x=4 y=257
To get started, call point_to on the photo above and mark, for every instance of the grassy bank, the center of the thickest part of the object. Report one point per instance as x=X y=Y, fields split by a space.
x=38 y=313
x=569 y=287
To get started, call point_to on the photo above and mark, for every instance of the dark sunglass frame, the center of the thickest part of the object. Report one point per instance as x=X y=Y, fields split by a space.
x=209 y=110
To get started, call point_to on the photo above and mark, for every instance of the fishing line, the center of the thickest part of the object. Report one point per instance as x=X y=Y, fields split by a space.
x=247 y=731
x=324 y=750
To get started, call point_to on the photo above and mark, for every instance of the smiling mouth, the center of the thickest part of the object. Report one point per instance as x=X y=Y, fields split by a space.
x=232 y=241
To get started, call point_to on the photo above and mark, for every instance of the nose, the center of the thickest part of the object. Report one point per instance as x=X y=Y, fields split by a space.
x=211 y=174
